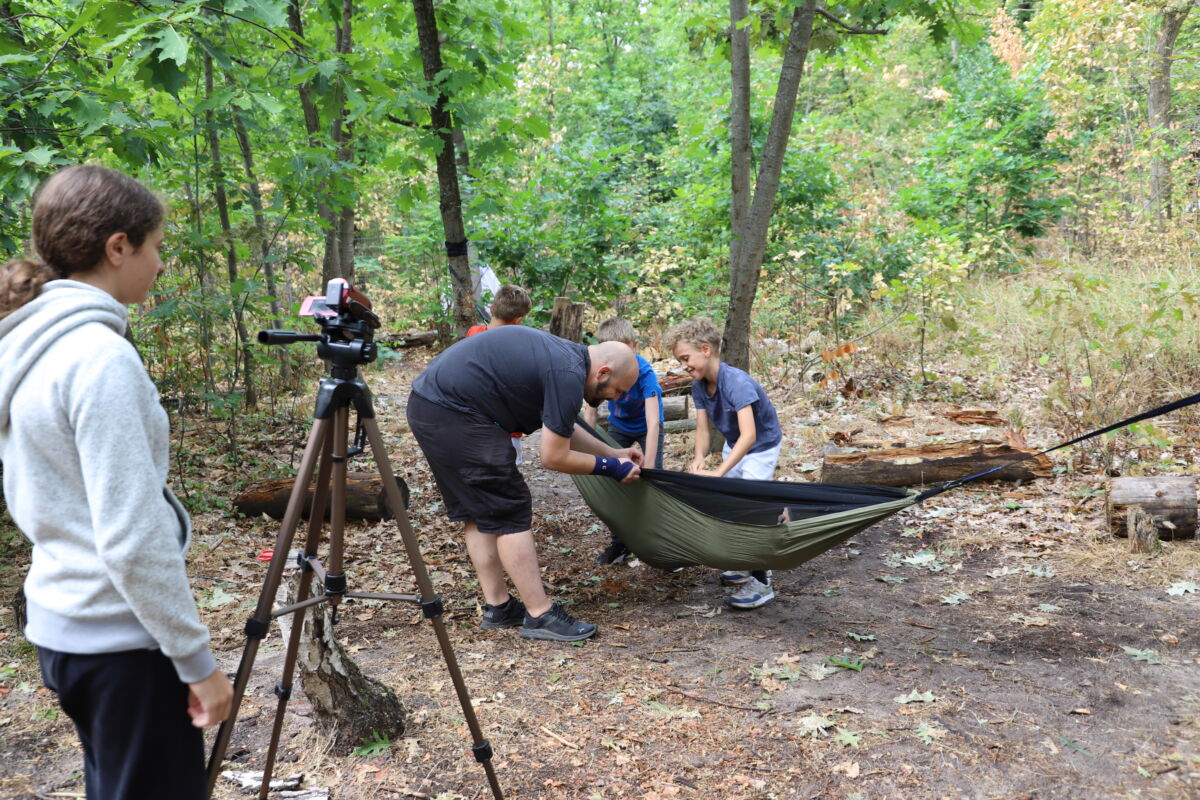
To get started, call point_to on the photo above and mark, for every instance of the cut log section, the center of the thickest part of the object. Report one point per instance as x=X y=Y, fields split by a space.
x=365 y=498
x=1169 y=500
x=933 y=463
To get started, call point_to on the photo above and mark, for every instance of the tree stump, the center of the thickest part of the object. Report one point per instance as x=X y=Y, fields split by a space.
x=566 y=320
x=1169 y=501
x=1142 y=532
x=350 y=706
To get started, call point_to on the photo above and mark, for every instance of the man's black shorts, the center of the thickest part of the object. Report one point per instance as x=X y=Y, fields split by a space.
x=473 y=462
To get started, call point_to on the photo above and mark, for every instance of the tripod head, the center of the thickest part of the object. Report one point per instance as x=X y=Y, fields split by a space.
x=348 y=325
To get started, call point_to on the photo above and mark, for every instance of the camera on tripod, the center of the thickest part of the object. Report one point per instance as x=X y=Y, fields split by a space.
x=347 y=326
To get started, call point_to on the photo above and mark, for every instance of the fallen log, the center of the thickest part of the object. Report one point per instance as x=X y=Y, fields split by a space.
x=399 y=341
x=673 y=408
x=365 y=498
x=933 y=463
x=1168 y=500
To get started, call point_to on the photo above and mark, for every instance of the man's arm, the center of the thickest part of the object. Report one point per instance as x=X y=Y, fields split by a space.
x=577 y=455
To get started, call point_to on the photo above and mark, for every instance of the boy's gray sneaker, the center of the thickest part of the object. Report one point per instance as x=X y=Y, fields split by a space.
x=734 y=577
x=508 y=614
x=557 y=626
x=752 y=594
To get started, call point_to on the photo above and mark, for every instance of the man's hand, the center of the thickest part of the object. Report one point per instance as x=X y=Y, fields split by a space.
x=697 y=465
x=209 y=700
x=634 y=473
x=633 y=454
x=712 y=473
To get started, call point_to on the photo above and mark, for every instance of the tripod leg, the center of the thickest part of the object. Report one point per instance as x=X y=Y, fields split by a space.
x=256 y=626
x=335 y=580
x=283 y=689
x=431 y=604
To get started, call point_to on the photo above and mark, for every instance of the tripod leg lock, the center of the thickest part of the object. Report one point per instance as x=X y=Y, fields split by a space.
x=335 y=585
x=483 y=751
x=256 y=628
x=432 y=608
x=284 y=693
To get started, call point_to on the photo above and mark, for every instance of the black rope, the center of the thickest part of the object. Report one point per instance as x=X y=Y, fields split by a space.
x=1156 y=412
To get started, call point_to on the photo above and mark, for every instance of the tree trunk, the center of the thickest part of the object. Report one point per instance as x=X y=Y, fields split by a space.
x=350 y=706
x=254 y=193
x=935 y=463
x=342 y=138
x=330 y=262
x=1158 y=106
x=566 y=320
x=739 y=134
x=236 y=296
x=448 y=189
x=743 y=275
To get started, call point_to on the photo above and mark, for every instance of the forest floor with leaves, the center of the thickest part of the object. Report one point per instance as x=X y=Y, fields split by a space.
x=992 y=643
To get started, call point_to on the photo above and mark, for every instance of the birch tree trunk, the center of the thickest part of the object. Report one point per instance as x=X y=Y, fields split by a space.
x=743 y=274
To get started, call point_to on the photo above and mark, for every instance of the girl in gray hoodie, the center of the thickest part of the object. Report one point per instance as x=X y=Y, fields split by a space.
x=84 y=442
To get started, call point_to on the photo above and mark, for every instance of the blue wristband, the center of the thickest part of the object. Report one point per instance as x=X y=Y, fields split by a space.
x=613 y=468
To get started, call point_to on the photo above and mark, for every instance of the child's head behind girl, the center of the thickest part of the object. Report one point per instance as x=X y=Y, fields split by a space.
x=91 y=224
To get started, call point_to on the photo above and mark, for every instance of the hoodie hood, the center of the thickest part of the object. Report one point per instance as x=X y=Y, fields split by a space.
x=26 y=333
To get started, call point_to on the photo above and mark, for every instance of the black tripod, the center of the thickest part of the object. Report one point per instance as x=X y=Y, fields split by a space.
x=345 y=344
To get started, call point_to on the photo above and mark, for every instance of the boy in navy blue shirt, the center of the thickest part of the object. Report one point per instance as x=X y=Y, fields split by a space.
x=734 y=403
x=636 y=416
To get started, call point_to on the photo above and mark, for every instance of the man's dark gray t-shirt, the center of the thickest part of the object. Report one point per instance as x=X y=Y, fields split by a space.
x=519 y=378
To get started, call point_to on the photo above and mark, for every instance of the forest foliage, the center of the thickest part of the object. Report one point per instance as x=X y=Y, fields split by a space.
x=935 y=147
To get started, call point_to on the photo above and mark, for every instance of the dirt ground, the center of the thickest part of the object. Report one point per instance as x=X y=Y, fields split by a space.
x=993 y=643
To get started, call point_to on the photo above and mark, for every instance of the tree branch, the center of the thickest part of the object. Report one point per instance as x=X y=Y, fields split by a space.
x=847 y=28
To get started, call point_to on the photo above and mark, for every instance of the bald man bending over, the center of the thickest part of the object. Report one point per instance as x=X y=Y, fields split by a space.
x=463 y=410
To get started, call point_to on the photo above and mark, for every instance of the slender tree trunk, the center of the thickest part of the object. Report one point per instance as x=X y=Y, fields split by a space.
x=231 y=262
x=739 y=132
x=736 y=349
x=254 y=193
x=330 y=261
x=1158 y=102
x=341 y=136
x=448 y=188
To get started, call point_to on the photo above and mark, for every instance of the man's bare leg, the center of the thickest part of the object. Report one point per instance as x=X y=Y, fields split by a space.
x=518 y=554
x=481 y=547
x=492 y=555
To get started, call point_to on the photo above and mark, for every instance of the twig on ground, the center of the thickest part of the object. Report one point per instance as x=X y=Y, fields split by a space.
x=557 y=738
x=704 y=699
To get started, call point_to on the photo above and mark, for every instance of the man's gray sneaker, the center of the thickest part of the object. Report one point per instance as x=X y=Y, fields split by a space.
x=508 y=614
x=557 y=626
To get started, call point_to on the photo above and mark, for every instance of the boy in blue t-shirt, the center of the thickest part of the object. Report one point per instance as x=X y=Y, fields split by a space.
x=734 y=403
x=636 y=416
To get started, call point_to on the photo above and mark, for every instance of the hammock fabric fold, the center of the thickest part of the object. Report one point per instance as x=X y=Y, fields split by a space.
x=674 y=519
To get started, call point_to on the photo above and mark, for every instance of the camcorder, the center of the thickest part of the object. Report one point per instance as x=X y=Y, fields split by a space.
x=347 y=323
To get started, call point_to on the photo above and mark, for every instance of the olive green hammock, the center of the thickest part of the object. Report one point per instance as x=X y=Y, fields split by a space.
x=674 y=519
